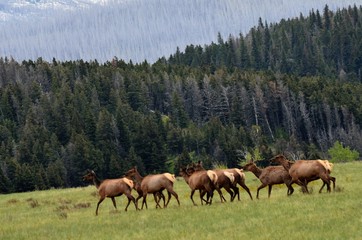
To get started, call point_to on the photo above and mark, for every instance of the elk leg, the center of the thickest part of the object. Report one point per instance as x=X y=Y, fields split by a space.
x=246 y=189
x=202 y=194
x=157 y=200
x=260 y=187
x=191 y=196
x=320 y=190
x=160 y=196
x=114 y=202
x=99 y=202
x=269 y=190
x=144 y=202
x=290 y=189
x=163 y=198
x=220 y=193
x=130 y=198
x=171 y=191
x=326 y=180
x=168 y=199
x=236 y=193
x=227 y=188
x=333 y=179
x=176 y=196
x=303 y=185
x=139 y=196
x=289 y=186
x=211 y=195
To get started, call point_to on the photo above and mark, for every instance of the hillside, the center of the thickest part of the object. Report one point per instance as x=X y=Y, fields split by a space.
x=134 y=30
x=292 y=87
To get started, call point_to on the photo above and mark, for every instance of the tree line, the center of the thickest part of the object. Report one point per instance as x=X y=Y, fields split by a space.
x=325 y=44
x=58 y=119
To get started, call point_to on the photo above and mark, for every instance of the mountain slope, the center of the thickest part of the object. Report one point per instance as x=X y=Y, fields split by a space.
x=132 y=29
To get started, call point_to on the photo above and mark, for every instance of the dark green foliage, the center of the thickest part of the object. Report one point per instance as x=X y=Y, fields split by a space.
x=182 y=160
x=320 y=44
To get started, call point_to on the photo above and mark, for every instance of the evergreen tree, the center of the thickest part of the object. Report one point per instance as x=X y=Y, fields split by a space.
x=179 y=115
x=182 y=160
x=255 y=50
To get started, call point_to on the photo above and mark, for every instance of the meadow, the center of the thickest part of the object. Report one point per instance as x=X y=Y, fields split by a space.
x=70 y=214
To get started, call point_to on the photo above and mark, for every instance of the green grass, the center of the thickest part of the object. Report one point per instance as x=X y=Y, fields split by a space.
x=70 y=214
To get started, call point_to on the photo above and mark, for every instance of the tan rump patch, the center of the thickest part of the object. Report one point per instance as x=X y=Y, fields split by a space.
x=230 y=176
x=170 y=177
x=128 y=182
x=240 y=172
x=212 y=175
x=328 y=165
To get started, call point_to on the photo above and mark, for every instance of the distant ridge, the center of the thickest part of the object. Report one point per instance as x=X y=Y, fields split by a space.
x=134 y=30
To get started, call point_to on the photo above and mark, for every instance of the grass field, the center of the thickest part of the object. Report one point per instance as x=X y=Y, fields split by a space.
x=70 y=214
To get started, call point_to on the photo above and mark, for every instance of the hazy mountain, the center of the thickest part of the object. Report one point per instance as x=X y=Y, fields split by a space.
x=133 y=29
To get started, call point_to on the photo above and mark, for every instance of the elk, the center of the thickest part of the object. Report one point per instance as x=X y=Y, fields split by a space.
x=157 y=195
x=239 y=178
x=304 y=171
x=111 y=188
x=154 y=184
x=204 y=181
x=269 y=176
x=225 y=180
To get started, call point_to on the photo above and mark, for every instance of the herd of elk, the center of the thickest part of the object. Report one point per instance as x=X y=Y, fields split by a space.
x=300 y=172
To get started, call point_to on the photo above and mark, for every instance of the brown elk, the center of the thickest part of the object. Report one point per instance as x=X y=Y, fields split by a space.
x=157 y=195
x=154 y=184
x=111 y=188
x=225 y=180
x=270 y=176
x=304 y=171
x=239 y=179
x=204 y=181
x=224 y=177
